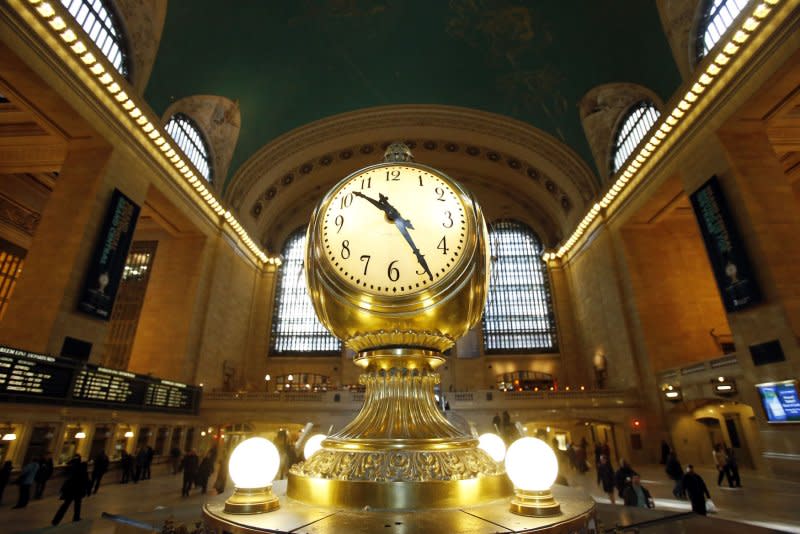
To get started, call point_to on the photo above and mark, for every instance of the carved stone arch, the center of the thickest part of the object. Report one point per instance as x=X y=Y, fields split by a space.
x=602 y=109
x=142 y=25
x=219 y=120
x=512 y=168
x=680 y=18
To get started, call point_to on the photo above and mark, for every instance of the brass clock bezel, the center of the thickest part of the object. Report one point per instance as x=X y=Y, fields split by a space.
x=457 y=275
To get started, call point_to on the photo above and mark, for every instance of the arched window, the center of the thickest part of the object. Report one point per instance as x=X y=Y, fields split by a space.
x=187 y=135
x=715 y=19
x=295 y=327
x=519 y=310
x=633 y=128
x=100 y=24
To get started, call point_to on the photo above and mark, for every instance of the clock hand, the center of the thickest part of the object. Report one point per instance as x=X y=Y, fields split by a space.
x=420 y=257
x=402 y=225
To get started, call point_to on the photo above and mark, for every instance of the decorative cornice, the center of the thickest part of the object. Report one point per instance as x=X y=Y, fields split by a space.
x=374 y=123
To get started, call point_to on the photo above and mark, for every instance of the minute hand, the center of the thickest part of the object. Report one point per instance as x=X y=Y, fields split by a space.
x=402 y=225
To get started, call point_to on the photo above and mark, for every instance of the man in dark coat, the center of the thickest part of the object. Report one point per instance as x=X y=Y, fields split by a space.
x=189 y=465
x=605 y=477
x=73 y=489
x=100 y=467
x=126 y=463
x=696 y=489
x=204 y=471
x=148 y=461
x=623 y=476
x=43 y=475
x=675 y=472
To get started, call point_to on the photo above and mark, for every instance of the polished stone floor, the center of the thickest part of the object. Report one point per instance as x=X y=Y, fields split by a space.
x=761 y=502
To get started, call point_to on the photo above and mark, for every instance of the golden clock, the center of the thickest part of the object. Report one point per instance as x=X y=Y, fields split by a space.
x=387 y=246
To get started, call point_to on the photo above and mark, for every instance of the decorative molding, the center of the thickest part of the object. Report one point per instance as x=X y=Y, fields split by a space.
x=18 y=216
x=381 y=122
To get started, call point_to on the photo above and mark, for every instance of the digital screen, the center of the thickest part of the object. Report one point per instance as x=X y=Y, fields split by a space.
x=32 y=377
x=780 y=401
x=25 y=373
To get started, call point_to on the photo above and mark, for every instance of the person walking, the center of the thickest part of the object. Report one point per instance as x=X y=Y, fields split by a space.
x=174 y=459
x=141 y=461
x=204 y=471
x=73 y=489
x=605 y=477
x=732 y=468
x=101 y=463
x=149 y=453
x=675 y=473
x=189 y=466
x=5 y=476
x=696 y=489
x=43 y=475
x=721 y=461
x=665 y=449
x=637 y=495
x=25 y=481
x=126 y=463
x=623 y=476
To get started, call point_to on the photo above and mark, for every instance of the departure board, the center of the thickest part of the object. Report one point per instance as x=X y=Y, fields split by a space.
x=32 y=377
x=25 y=373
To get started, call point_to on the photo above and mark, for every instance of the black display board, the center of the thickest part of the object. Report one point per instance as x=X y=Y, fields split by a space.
x=726 y=252
x=108 y=261
x=32 y=377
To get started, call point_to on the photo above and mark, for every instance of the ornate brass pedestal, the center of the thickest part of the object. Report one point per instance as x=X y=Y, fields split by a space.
x=399 y=452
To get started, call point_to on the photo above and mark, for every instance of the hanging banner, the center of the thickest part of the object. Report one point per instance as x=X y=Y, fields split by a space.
x=726 y=252
x=108 y=261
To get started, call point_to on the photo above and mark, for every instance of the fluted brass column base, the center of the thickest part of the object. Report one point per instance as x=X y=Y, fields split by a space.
x=362 y=494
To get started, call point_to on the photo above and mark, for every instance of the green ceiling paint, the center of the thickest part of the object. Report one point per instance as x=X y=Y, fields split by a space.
x=292 y=62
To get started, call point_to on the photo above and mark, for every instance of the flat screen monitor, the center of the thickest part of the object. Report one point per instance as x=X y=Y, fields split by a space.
x=780 y=401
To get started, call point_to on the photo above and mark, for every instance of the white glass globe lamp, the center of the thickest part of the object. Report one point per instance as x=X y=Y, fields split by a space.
x=532 y=467
x=313 y=444
x=253 y=466
x=494 y=446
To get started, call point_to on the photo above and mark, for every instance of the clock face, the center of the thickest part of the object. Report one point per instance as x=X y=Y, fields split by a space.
x=394 y=230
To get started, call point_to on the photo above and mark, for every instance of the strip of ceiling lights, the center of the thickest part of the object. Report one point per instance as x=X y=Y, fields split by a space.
x=630 y=175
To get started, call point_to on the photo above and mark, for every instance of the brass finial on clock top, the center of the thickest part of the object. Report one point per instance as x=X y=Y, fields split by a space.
x=397 y=268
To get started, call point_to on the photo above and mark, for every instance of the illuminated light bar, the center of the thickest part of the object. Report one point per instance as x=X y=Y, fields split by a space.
x=57 y=23
x=46 y=10
x=68 y=36
x=78 y=47
x=89 y=58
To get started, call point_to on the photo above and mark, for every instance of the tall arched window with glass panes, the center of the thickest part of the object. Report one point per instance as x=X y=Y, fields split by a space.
x=519 y=310
x=295 y=327
x=190 y=140
x=716 y=16
x=632 y=129
x=101 y=25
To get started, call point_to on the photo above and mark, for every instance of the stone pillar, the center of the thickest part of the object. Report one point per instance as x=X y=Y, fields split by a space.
x=572 y=370
x=48 y=288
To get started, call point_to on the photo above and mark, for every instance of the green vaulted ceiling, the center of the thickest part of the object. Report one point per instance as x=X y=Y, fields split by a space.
x=292 y=62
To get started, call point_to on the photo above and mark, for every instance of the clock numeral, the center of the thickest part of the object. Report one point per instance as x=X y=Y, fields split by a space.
x=443 y=246
x=345 y=249
x=420 y=180
x=367 y=181
x=440 y=192
x=449 y=220
x=346 y=201
x=393 y=176
x=393 y=272
x=365 y=258
x=339 y=221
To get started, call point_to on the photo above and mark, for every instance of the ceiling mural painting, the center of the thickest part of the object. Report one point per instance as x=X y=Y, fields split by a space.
x=291 y=63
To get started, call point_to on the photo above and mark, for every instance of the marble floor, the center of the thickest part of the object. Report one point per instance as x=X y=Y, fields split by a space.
x=761 y=502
